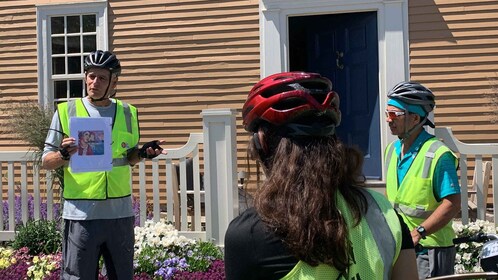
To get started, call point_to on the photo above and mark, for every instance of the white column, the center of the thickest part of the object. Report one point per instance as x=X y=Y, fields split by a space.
x=220 y=171
x=272 y=58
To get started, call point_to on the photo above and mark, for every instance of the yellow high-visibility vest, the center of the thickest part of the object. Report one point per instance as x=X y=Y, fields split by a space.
x=108 y=184
x=376 y=243
x=414 y=197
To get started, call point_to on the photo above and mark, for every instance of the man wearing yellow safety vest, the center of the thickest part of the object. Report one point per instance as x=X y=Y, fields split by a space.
x=421 y=181
x=97 y=212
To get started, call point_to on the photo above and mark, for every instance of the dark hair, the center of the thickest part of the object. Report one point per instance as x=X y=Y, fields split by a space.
x=298 y=198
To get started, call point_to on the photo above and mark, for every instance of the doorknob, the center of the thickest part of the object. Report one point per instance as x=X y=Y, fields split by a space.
x=338 y=60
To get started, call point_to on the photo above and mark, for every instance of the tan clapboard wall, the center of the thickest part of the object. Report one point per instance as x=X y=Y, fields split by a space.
x=18 y=66
x=180 y=57
x=454 y=51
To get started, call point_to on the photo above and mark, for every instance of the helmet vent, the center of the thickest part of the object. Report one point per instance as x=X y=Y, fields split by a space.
x=289 y=103
x=276 y=90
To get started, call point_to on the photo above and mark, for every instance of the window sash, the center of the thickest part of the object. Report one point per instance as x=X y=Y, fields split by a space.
x=65 y=36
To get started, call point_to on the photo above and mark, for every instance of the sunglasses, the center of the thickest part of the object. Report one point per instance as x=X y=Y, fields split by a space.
x=394 y=114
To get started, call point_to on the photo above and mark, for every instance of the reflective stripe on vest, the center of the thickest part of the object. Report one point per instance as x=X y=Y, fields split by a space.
x=125 y=135
x=414 y=196
x=379 y=226
x=378 y=259
x=429 y=157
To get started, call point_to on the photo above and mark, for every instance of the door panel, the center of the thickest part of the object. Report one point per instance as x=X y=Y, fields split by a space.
x=344 y=48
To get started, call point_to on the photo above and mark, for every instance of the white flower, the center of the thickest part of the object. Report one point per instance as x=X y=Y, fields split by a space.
x=477 y=268
x=459 y=269
x=458 y=227
x=160 y=234
x=467 y=259
x=466 y=256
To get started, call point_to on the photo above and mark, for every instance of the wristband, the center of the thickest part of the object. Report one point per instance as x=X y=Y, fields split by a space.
x=64 y=153
x=421 y=230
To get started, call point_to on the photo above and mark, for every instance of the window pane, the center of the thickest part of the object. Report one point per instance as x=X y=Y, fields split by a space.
x=89 y=43
x=57 y=25
x=57 y=45
x=73 y=24
x=76 y=88
x=74 y=65
x=60 y=89
x=73 y=44
x=89 y=23
x=58 y=65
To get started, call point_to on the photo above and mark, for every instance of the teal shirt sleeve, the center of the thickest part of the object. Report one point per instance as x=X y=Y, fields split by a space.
x=445 y=181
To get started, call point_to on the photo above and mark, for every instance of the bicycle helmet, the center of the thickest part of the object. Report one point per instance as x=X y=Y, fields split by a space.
x=413 y=93
x=302 y=102
x=489 y=256
x=103 y=59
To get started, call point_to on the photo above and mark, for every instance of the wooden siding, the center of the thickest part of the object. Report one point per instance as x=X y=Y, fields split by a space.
x=18 y=66
x=178 y=58
x=181 y=57
x=453 y=50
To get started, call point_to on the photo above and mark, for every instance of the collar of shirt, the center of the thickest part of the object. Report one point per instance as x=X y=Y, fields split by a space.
x=407 y=160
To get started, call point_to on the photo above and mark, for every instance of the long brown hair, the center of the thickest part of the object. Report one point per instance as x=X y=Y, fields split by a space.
x=298 y=200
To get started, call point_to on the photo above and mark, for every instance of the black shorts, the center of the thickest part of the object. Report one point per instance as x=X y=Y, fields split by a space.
x=85 y=241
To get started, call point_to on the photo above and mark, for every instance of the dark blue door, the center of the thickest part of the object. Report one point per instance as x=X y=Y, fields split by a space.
x=343 y=48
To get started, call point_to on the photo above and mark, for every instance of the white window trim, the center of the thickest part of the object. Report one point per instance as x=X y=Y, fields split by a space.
x=392 y=19
x=43 y=12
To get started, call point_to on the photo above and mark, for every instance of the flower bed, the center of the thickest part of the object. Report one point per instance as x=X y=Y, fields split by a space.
x=160 y=253
x=467 y=257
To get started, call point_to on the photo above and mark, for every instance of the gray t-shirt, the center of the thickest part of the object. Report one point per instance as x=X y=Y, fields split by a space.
x=89 y=209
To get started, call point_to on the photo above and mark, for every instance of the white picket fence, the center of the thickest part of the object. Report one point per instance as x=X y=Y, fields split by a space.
x=196 y=212
x=206 y=218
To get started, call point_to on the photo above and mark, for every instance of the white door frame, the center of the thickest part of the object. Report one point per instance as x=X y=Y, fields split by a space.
x=392 y=19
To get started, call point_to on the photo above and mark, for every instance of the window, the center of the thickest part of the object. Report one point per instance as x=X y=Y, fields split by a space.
x=66 y=38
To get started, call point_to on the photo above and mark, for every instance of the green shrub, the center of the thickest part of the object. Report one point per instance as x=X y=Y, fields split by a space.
x=41 y=236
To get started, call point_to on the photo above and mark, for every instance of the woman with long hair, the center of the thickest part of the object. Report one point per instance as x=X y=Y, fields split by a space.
x=312 y=217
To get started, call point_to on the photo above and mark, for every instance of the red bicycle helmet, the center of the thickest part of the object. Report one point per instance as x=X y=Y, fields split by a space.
x=287 y=98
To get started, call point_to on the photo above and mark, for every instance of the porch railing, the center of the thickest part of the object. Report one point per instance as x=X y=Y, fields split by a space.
x=196 y=212
x=478 y=152
x=206 y=217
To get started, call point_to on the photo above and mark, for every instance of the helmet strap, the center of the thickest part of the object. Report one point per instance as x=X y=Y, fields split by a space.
x=260 y=147
x=105 y=97
x=408 y=133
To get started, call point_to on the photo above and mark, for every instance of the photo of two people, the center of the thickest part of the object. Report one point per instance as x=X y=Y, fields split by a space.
x=90 y=142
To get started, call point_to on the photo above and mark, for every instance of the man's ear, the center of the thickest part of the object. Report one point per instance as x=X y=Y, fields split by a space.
x=114 y=81
x=418 y=118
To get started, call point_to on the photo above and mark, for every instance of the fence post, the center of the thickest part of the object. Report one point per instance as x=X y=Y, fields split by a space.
x=220 y=171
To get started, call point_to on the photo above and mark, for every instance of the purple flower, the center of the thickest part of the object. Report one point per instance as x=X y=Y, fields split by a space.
x=31 y=209
x=215 y=272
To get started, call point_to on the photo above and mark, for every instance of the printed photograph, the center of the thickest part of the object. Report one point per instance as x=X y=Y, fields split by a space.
x=90 y=142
